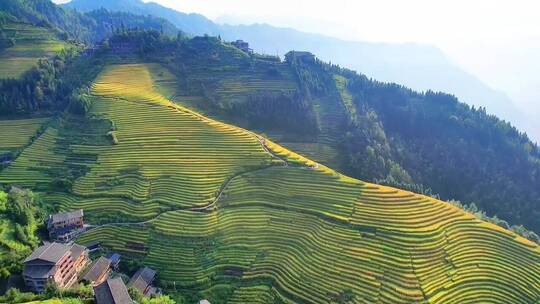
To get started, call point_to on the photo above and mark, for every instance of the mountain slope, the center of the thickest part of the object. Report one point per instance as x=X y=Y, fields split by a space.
x=235 y=218
x=386 y=133
x=89 y=28
x=194 y=24
x=24 y=45
x=418 y=67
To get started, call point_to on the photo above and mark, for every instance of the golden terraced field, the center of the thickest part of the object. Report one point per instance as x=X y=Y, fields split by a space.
x=218 y=210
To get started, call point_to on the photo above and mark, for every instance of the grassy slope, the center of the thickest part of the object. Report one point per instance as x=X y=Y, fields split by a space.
x=230 y=80
x=17 y=133
x=31 y=44
x=303 y=234
x=14 y=135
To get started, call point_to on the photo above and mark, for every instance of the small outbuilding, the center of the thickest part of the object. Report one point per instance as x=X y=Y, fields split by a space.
x=142 y=280
x=115 y=260
x=98 y=271
x=243 y=45
x=112 y=291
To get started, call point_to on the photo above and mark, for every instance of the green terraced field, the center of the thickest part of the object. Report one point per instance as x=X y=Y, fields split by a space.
x=217 y=211
x=31 y=44
x=17 y=133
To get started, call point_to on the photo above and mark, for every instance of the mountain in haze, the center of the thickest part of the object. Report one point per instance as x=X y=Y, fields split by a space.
x=420 y=67
x=194 y=24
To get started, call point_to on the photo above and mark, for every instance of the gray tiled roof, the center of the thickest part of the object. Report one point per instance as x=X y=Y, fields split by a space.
x=97 y=269
x=50 y=252
x=39 y=271
x=112 y=291
x=65 y=216
x=142 y=278
x=76 y=251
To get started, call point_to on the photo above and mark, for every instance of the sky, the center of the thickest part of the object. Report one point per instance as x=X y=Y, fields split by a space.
x=496 y=40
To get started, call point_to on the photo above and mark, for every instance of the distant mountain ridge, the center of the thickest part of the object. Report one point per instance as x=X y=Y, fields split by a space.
x=194 y=24
x=91 y=27
x=416 y=66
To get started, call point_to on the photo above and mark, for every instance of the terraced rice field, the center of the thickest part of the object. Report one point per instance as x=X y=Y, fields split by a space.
x=207 y=206
x=165 y=156
x=31 y=44
x=15 y=134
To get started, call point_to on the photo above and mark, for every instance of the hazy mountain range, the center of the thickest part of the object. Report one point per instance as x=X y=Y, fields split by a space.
x=417 y=66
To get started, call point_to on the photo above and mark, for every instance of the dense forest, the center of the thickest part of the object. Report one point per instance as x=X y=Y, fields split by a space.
x=432 y=141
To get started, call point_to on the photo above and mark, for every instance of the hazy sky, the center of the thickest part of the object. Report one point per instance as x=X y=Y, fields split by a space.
x=496 y=40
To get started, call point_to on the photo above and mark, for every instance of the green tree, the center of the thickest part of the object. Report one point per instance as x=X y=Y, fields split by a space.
x=158 y=300
x=3 y=201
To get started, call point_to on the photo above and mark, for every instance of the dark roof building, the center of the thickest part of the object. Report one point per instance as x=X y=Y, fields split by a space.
x=115 y=260
x=244 y=46
x=49 y=252
x=300 y=55
x=142 y=280
x=65 y=216
x=98 y=272
x=54 y=263
x=65 y=225
x=112 y=291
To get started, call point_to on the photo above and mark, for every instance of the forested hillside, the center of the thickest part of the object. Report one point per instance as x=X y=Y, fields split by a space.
x=41 y=51
x=386 y=133
x=90 y=28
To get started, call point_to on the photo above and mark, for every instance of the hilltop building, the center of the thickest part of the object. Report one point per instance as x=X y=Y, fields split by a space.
x=142 y=280
x=66 y=225
x=242 y=45
x=56 y=263
x=98 y=271
x=300 y=55
x=112 y=291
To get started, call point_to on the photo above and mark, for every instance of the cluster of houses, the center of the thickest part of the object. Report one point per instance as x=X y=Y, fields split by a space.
x=64 y=263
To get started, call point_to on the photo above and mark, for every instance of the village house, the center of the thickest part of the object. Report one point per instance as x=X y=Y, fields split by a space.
x=115 y=261
x=66 y=225
x=112 y=291
x=6 y=158
x=301 y=55
x=242 y=45
x=98 y=271
x=142 y=280
x=54 y=263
